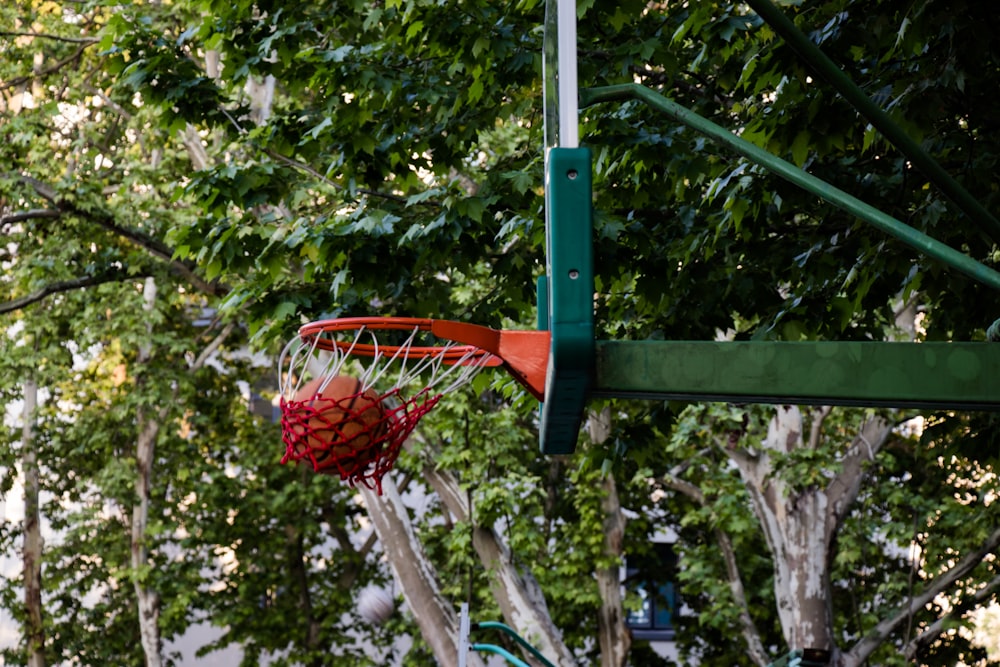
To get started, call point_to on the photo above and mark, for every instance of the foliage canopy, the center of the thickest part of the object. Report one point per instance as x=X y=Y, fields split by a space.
x=267 y=163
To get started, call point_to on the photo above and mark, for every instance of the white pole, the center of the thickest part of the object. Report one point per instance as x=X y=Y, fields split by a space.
x=464 y=628
x=569 y=129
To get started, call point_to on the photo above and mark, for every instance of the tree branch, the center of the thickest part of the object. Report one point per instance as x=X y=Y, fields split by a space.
x=212 y=347
x=937 y=627
x=755 y=648
x=151 y=245
x=63 y=286
x=14 y=83
x=864 y=648
x=517 y=592
x=845 y=486
x=302 y=166
x=58 y=38
x=819 y=416
x=108 y=102
x=686 y=488
x=33 y=214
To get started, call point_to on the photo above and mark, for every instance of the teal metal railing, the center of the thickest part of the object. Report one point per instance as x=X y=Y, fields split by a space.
x=493 y=625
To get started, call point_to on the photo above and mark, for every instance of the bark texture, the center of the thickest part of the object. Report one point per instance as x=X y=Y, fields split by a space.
x=613 y=636
x=33 y=542
x=147 y=599
x=517 y=592
x=800 y=524
x=435 y=617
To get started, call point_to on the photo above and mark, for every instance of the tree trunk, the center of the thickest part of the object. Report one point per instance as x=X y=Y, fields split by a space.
x=436 y=619
x=800 y=524
x=32 y=558
x=797 y=528
x=612 y=634
x=148 y=601
x=517 y=592
x=300 y=579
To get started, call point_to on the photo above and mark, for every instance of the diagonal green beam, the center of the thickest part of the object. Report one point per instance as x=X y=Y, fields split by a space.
x=912 y=237
x=875 y=115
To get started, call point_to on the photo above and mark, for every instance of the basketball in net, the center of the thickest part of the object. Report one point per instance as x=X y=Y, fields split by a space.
x=353 y=389
x=336 y=424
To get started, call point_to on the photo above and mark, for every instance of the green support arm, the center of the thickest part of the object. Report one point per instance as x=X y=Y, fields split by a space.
x=509 y=631
x=927 y=375
x=912 y=237
x=875 y=115
x=500 y=651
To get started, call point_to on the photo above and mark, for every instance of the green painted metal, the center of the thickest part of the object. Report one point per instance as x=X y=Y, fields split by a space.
x=875 y=115
x=932 y=375
x=570 y=280
x=502 y=652
x=916 y=239
x=493 y=625
x=542 y=289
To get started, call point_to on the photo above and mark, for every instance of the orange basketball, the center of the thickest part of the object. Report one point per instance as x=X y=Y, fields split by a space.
x=340 y=424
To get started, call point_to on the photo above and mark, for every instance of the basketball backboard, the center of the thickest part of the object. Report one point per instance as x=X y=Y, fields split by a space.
x=565 y=302
x=934 y=375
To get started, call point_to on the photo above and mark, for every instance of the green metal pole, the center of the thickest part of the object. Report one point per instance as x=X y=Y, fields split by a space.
x=875 y=115
x=793 y=174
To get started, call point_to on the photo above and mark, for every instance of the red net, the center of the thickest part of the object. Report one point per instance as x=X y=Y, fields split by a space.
x=333 y=417
x=357 y=436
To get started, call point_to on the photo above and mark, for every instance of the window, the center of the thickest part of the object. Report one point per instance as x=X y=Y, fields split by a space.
x=650 y=576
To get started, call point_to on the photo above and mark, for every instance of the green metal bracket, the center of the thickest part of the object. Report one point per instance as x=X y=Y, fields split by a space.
x=809 y=657
x=935 y=375
x=569 y=295
x=930 y=375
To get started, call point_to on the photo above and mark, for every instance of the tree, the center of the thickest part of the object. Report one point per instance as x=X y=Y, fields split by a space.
x=396 y=170
x=136 y=432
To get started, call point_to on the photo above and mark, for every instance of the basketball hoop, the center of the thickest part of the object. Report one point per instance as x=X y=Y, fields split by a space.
x=353 y=389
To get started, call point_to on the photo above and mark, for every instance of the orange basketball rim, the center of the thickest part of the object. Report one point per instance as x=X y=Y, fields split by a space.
x=353 y=389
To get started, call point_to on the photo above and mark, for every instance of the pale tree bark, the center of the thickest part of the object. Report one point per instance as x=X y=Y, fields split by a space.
x=751 y=635
x=613 y=636
x=32 y=557
x=261 y=101
x=189 y=135
x=149 y=422
x=261 y=94
x=516 y=591
x=435 y=617
x=195 y=148
x=147 y=599
x=800 y=524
